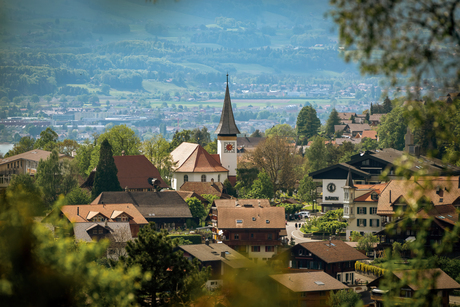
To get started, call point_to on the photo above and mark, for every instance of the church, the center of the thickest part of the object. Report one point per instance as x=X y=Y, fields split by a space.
x=194 y=163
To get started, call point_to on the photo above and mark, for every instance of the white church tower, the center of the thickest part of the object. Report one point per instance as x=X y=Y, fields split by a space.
x=226 y=136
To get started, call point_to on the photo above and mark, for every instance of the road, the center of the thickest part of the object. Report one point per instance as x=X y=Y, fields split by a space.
x=295 y=233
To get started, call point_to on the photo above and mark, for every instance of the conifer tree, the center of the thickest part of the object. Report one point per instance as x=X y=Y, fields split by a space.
x=387 y=107
x=106 y=172
x=173 y=279
x=333 y=120
x=308 y=124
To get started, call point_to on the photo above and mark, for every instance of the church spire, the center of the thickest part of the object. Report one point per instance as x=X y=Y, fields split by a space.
x=227 y=124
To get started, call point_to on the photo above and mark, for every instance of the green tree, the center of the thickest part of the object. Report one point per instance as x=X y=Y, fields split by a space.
x=67 y=147
x=83 y=158
x=366 y=243
x=281 y=130
x=307 y=189
x=344 y=298
x=276 y=157
x=50 y=266
x=368 y=144
x=24 y=183
x=25 y=144
x=49 y=177
x=307 y=124
x=172 y=279
x=201 y=137
x=34 y=98
x=77 y=196
x=245 y=177
x=211 y=147
x=121 y=138
x=333 y=119
x=332 y=221
x=262 y=187
x=229 y=188
x=179 y=138
x=106 y=178
x=387 y=107
x=392 y=130
x=257 y=134
x=196 y=208
x=47 y=141
x=157 y=151
x=315 y=155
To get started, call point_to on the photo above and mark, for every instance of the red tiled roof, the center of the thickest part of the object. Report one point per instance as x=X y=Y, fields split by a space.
x=198 y=160
x=252 y=218
x=372 y=134
x=134 y=171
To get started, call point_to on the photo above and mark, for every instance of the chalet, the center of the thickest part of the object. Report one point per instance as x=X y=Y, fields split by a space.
x=372 y=134
x=366 y=168
x=434 y=281
x=251 y=229
x=135 y=173
x=24 y=163
x=222 y=259
x=375 y=119
x=346 y=115
x=306 y=289
x=333 y=257
x=167 y=209
x=442 y=219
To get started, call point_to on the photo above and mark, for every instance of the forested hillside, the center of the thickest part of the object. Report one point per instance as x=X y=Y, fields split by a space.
x=48 y=44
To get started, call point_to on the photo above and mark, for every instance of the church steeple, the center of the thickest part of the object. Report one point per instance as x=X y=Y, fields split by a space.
x=227 y=124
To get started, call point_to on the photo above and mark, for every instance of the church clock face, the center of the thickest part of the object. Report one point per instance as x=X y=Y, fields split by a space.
x=331 y=187
x=229 y=147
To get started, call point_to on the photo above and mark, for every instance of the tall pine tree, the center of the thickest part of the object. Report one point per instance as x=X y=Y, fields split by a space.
x=106 y=172
x=333 y=120
x=307 y=124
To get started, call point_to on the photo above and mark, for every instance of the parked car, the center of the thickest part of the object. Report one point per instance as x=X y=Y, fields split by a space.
x=304 y=214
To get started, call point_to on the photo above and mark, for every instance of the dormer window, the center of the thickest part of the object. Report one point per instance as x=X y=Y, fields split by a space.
x=203 y=178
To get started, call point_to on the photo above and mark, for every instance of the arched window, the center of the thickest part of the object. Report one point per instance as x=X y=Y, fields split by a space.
x=185 y=178
x=203 y=178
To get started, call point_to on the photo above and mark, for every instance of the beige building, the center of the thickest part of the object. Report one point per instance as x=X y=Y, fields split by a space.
x=25 y=163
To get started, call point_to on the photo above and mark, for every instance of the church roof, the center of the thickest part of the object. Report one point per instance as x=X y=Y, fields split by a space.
x=227 y=124
x=194 y=158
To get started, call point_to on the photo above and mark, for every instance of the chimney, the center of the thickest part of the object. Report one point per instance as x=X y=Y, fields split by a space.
x=122 y=152
x=78 y=211
x=207 y=242
x=222 y=254
x=390 y=196
x=330 y=240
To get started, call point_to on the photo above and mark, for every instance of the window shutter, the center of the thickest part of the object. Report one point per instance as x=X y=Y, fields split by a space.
x=357 y=222
x=364 y=221
x=378 y=222
x=364 y=210
x=370 y=222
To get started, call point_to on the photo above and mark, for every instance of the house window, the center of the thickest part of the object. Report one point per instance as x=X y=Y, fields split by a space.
x=366 y=163
x=270 y=236
x=203 y=178
x=101 y=231
x=361 y=222
x=185 y=178
x=218 y=178
x=374 y=222
x=345 y=209
x=373 y=210
x=236 y=236
x=252 y=236
x=269 y=249
x=255 y=249
x=303 y=294
x=361 y=210
x=95 y=231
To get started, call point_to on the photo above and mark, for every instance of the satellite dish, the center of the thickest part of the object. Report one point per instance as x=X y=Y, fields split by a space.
x=154 y=181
